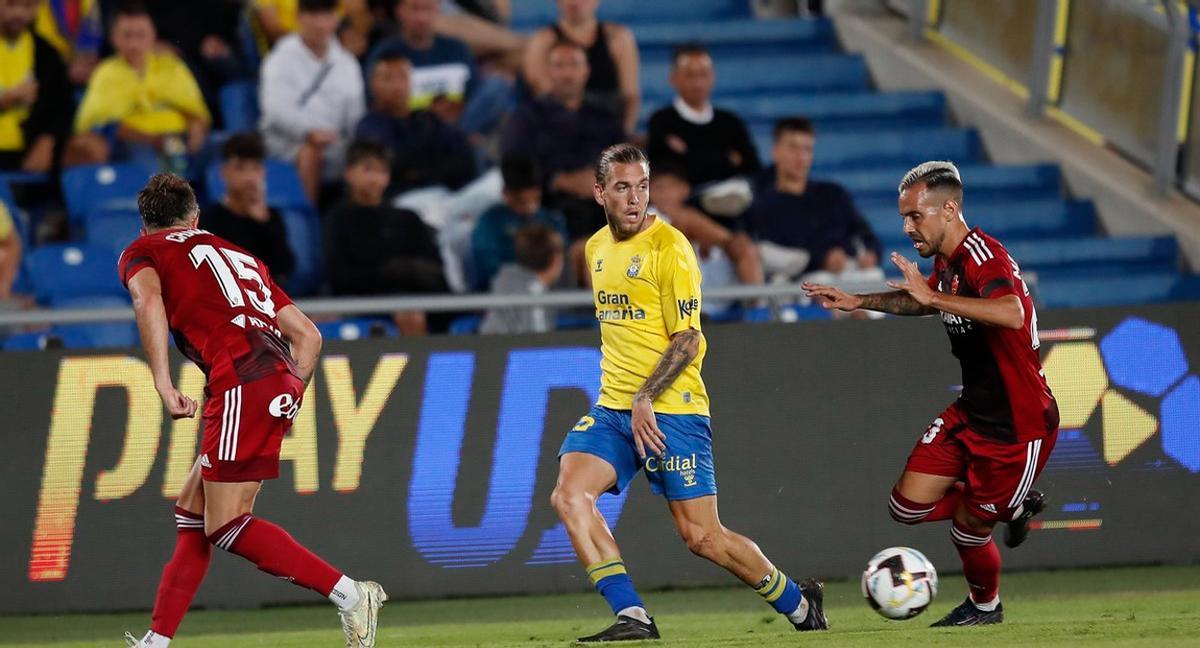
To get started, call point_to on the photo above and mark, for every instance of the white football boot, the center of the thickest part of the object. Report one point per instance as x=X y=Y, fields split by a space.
x=359 y=622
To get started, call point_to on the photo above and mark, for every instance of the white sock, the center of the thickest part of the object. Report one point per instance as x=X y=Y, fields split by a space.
x=800 y=613
x=635 y=612
x=155 y=640
x=990 y=606
x=344 y=594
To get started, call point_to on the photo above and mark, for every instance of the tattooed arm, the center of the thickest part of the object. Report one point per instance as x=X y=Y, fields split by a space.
x=684 y=347
x=897 y=302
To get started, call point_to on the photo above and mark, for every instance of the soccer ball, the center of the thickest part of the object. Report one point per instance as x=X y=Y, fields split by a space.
x=899 y=583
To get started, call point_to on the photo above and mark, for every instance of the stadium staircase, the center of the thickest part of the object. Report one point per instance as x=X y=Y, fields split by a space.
x=867 y=139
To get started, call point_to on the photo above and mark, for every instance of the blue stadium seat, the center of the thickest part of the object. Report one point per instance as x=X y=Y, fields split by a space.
x=239 y=106
x=1006 y=220
x=63 y=270
x=839 y=110
x=357 y=328
x=284 y=189
x=760 y=75
x=97 y=336
x=465 y=325
x=26 y=341
x=304 y=237
x=727 y=38
x=1118 y=291
x=529 y=14
x=838 y=151
x=114 y=228
x=87 y=188
x=984 y=183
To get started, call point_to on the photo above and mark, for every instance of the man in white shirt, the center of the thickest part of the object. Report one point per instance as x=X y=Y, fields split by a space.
x=312 y=96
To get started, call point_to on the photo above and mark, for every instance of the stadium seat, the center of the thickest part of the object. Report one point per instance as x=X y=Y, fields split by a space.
x=1118 y=291
x=87 y=188
x=1003 y=219
x=239 y=106
x=840 y=110
x=284 y=189
x=114 y=228
x=64 y=270
x=28 y=342
x=465 y=325
x=357 y=328
x=531 y=14
x=765 y=74
x=845 y=151
x=304 y=237
x=96 y=336
x=725 y=38
x=985 y=183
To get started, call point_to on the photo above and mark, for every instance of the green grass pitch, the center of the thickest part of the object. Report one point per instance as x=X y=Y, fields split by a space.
x=1148 y=606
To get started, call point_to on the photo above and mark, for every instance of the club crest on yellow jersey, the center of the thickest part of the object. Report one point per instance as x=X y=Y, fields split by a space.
x=635 y=266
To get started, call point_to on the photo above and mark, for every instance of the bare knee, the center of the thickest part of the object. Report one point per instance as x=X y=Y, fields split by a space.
x=704 y=542
x=571 y=503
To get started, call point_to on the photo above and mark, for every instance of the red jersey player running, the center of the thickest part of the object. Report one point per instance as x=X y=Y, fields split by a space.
x=976 y=462
x=257 y=351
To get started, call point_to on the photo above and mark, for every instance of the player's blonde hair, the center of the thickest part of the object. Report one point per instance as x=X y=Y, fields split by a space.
x=934 y=174
x=624 y=153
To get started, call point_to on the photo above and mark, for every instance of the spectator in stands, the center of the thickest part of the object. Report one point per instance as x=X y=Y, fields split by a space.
x=206 y=40
x=377 y=249
x=539 y=264
x=710 y=144
x=312 y=96
x=367 y=23
x=141 y=104
x=10 y=254
x=427 y=151
x=482 y=25
x=242 y=216
x=35 y=97
x=493 y=240
x=669 y=191
x=446 y=79
x=612 y=56
x=565 y=134
x=75 y=29
x=805 y=226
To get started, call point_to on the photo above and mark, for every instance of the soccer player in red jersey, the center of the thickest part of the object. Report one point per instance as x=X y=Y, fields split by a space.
x=977 y=461
x=257 y=351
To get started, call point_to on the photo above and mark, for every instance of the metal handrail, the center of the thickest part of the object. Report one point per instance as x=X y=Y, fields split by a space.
x=428 y=303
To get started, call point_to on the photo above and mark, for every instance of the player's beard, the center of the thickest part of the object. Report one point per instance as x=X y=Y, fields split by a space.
x=622 y=224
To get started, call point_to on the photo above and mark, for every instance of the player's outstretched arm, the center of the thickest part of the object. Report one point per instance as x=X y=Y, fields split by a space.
x=305 y=339
x=683 y=348
x=1004 y=311
x=146 y=291
x=896 y=302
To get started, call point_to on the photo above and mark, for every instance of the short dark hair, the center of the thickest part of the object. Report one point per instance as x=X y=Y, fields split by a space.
x=672 y=169
x=693 y=48
x=624 y=153
x=391 y=55
x=565 y=42
x=520 y=172
x=316 y=6
x=165 y=201
x=365 y=149
x=537 y=244
x=244 y=146
x=131 y=9
x=793 y=125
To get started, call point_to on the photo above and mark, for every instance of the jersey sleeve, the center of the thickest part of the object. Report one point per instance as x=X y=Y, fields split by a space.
x=990 y=271
x=133 y=259
x=278 y=295
x=679 y=286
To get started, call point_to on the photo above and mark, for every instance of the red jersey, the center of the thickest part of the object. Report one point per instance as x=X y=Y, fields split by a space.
x=1005 y=394
x=221 y=304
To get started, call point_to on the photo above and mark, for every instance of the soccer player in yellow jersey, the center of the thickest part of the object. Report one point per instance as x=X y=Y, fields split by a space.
x=653 y=409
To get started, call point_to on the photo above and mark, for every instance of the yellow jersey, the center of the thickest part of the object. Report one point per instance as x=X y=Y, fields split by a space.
x=16 y=67
x=157 y=102
x=646 y=289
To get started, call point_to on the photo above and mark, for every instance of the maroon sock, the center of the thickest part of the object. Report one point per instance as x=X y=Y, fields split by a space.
x=276 y=552
x=182 y=575
x=906 y=511
x=981 y=562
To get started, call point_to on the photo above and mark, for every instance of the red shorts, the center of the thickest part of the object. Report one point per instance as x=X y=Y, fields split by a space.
x=244 y=426
x=996 y=475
